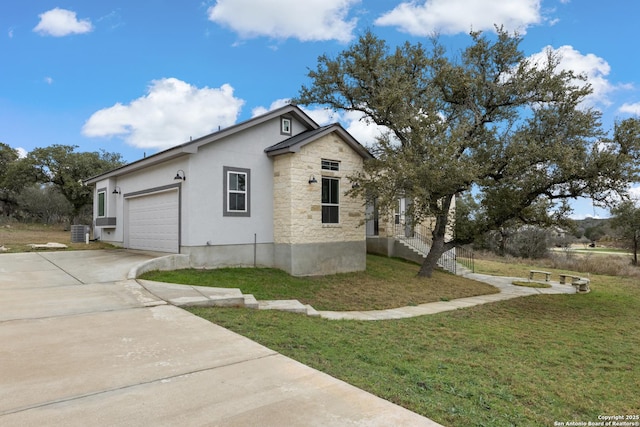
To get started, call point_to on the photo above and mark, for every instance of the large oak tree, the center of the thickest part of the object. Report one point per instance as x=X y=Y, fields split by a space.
x=65 y=168
x=487 y=119
x=59 y=166
x=8 y=156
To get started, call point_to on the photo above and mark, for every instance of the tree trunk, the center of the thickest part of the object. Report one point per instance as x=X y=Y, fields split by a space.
x=431 y=261
x=438 y=245
x=502 y=248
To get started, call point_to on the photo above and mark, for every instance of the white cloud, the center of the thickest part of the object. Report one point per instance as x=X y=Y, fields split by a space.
x=634 y=193
x=363 y=130
x=581 y=216
x=22 y=153
x=61 y=22
x=461 y=16
x=366 y=133
x=322 y=116
x=593 y=67
x=274 y=105
x=48 y=80
x=169 y=114
x=630 y=108
x=112 y=20
x=307 y=20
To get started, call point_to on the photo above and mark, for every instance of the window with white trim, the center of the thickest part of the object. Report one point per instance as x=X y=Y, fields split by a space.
x=330 y=200
x=102 y=203
x=236 y=183
x=285 y=126
x=330 y=165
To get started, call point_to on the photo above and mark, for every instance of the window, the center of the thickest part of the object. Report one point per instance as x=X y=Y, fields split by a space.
x=330 y=200
x=330 y=165
x=236 y=183
x=237 y=192
x=285 y=126
x=102 y=202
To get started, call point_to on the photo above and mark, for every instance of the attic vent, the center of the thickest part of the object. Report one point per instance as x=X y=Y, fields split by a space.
x=330 y=165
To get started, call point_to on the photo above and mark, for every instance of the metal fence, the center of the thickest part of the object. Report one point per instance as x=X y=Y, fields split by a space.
x=419 y=238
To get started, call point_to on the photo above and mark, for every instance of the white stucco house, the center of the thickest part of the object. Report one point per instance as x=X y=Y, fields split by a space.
x=269 y=191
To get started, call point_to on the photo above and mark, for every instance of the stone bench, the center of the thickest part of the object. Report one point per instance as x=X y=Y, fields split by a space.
x=546 y=274
x=582 y=285
x=563 y=278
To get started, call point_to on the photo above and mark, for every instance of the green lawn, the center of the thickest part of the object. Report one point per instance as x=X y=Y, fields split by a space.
x=387 y=283
x=527 y=362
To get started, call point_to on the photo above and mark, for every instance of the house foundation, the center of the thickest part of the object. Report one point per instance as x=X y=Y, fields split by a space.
x=314 y=259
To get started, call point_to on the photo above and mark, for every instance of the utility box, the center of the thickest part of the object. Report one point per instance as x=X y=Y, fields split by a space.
x=78 y=233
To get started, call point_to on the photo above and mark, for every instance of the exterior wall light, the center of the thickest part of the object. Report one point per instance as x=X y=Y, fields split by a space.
x=180 y=175
x=312 y=180
x=116 y=190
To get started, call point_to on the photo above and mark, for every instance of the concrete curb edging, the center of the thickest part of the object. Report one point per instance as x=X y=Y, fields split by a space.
x=164 y=263
x=187 y=295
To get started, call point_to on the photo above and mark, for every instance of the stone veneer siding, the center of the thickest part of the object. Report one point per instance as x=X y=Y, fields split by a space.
x=298 y=210
x=297 y=204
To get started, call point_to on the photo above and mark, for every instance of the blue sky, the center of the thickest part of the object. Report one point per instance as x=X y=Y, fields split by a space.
x=136 y=77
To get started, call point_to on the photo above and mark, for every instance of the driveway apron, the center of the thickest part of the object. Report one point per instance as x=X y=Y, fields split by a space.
x=80 y=344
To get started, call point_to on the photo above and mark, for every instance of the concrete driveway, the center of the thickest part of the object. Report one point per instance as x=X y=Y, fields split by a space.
x=80 y=344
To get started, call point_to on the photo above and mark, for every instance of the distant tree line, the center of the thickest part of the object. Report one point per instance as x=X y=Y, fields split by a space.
x=621 y=230
x=46 y=185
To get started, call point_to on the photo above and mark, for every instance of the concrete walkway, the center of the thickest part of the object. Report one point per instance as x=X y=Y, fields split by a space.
x=84 y=344
x=185 y=295
x=504 y=284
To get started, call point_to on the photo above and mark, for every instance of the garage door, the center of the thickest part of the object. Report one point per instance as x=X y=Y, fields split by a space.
x=153 y=222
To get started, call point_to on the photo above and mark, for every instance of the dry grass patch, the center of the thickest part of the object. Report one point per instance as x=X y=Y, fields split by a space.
x=591 y=263
x=17 y=237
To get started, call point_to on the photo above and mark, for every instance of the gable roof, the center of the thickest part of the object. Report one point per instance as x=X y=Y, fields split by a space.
x=293 y=144
x=191 y=147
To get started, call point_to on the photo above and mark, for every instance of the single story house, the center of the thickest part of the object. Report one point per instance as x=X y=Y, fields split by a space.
x=269 y=191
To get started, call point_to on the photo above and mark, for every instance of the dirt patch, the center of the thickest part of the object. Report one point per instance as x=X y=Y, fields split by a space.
x=18 y=237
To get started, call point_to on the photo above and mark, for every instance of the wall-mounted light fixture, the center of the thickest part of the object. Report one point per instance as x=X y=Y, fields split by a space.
x=180 y=175
x=312 y=180
x=116 y=190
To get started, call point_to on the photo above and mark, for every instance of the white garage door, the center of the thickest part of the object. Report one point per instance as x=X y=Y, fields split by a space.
x=153 y=222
